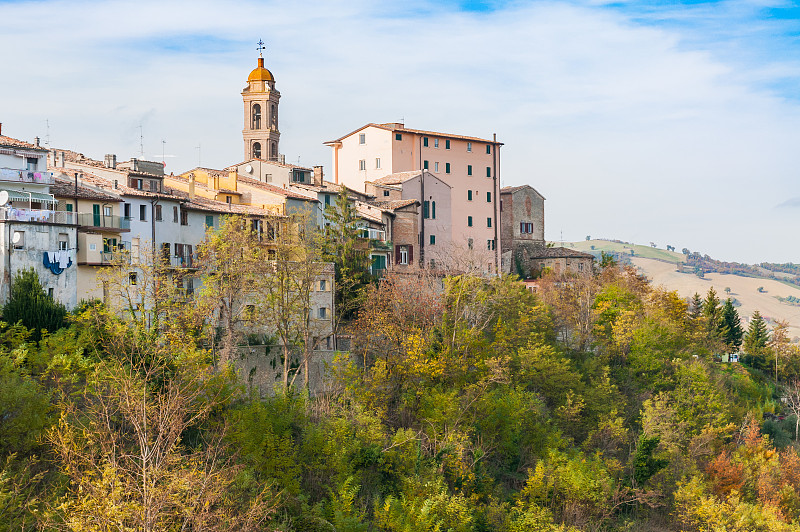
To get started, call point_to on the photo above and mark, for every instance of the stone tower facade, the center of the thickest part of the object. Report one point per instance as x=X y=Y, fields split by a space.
x=261 y=134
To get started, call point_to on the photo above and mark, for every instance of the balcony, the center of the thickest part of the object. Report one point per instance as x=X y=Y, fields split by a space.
x=381 y=245
x=186 y=261
x=15 y=175
x=37 y=216
x=106 y=222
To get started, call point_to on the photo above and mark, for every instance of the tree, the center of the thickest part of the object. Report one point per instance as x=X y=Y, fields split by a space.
x=29 y=304
x=344 y=247
x=712 y=313
x=696 y=307
x=755 y=341
x=732 y=325
x=792 y=394
x=780 y=343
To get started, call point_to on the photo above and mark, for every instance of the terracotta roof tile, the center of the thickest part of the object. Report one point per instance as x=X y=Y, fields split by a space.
x=394 y=204
x=401 y=177
x=276 y=163
x=393 y=127
x=64 y=188
x=16 y=143
x=272 y=188
x=560 y=253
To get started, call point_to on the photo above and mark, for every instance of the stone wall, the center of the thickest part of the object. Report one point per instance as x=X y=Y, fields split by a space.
x=260 y=367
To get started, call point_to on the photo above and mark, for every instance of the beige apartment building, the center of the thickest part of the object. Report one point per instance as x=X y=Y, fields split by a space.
x=470 y=166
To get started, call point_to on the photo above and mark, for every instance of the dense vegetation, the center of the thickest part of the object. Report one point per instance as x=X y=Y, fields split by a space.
x=466 y=404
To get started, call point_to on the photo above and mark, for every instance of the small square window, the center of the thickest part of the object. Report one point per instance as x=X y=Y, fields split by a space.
x=323 y=285
x=268 y=178
x=433 y=240
x=425 y=165
x=385 y=193
x=209 y=220
x=362 y=138
x=398 y=136
x=132 y=278
x=425 y=141
x=107 y=210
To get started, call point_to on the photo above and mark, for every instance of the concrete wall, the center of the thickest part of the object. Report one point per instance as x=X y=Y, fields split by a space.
x=378 y=144
x=38 y=239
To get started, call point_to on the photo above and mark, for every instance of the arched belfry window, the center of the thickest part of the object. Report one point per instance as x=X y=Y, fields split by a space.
x=274 y=115
x=274 y=151
x=257 y=150
x=256 y=116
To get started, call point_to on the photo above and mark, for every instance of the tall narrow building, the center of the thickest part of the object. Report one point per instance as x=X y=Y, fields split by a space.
x=260 y=134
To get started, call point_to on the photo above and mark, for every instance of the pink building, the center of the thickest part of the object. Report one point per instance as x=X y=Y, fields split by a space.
x=468 y=165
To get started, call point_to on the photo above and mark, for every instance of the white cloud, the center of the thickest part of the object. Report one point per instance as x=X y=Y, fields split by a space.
x=635 y=131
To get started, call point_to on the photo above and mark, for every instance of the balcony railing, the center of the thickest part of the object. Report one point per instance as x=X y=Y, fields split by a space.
x=380 y=244
x=25 y=176
x=187 y=261
x=373 y=234
x=115 y=257
x=37 y=215
x=104 y=221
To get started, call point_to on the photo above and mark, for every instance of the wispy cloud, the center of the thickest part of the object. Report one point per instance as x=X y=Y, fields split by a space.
x=648 y=121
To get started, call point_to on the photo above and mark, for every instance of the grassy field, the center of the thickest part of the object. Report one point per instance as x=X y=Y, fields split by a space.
x=646 y=252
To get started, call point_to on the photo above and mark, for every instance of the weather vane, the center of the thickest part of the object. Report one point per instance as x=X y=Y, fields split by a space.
x=260 y=48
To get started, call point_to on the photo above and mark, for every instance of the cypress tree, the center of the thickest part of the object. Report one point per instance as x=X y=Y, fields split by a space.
x=29 y=304
x=733 y=331
x=696 y=306
x=713 y=315
x=755 y=342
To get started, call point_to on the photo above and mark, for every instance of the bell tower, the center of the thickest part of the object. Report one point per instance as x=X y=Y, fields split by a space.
x=260 y=134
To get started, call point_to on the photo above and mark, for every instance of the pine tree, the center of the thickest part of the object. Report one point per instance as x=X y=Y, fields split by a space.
x=712 y=312
x=732 y=325
x=696 y=307
x=28 y=303
x=755 y=342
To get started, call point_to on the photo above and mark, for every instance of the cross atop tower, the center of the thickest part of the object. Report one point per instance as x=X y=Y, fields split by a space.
x=260 y=48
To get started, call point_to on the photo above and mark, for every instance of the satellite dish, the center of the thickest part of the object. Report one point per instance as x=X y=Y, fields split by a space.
x=248 y=169
x=17 y=238
x=3 y=197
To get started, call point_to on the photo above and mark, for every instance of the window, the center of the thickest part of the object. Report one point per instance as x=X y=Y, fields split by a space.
x=469 y=221
x=488 y=222
x=433 y=210
x=323 y=285
x=362 y=138
x=153 y=185
x=488 y=171
x=403 y=255
x=433 y=240
x=175 y=214
x=435 y=143
x=580 y=266
x=435 y=167
x=257 y=150
x=274 y=150
x=469 y=243
x=249 y=312
x=184 y=217
x=469 y=195
x=489 y=245
x=522 y=227
x=33 y=162
x=228 y=200
x=143 y=213
x=158 y=213
x=469 y=146
x=530 y=228
x=426 y=209
x=69 y=207
x=425 y=141
x=209 y=220
x=165 y=251
x=447 y=168
x=62 y=242
x=50 y=293
x=256 y=116
x=378 y=163
x=362 y=164
x=425 y=165
x=328 y=199
x=322 y=313
x=109 y=245
x=488 y=197
x=385 y=192
x=132 y=278
x=488 y=149
x=398 y=136
x=126 y=210
x=106 y=210
x=447 y=144
x=469 y=169
x=274 y=115
x=268 y=178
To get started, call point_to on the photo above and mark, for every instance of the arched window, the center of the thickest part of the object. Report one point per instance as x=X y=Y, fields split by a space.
x=274 y=115
x=273 y=154
x=256 y=116
x=257 y=150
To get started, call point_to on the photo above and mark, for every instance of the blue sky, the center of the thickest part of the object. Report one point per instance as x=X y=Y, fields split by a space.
x=671 y=122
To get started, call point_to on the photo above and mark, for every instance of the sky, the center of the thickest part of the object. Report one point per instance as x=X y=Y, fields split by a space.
x=676 y=123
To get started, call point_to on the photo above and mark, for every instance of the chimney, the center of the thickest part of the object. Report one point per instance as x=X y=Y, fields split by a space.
x=111 y=160
x=60 y=161
x=1 y=128
x=282 y=158
x=318 y=176
x=36 y=141
x=134 y=163
x=191 y=186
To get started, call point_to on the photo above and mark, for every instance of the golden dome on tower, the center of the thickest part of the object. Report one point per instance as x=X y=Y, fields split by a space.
x=260 y=73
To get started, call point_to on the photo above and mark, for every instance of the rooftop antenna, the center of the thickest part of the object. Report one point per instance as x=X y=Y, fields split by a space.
x=141 y=142
x=198 y=154
x=47 y=137
x=163 y=157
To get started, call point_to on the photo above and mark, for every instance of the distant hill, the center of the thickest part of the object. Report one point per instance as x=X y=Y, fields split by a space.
x=772 y=289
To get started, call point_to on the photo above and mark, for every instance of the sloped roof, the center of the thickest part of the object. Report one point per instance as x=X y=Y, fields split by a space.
x=560 y=253
x=399 y=178
x=394 y=204
x=275 y=190
x=390 y=126
x=63 y=188
x=276 y=163
x=511 y=190
x=16 y=143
